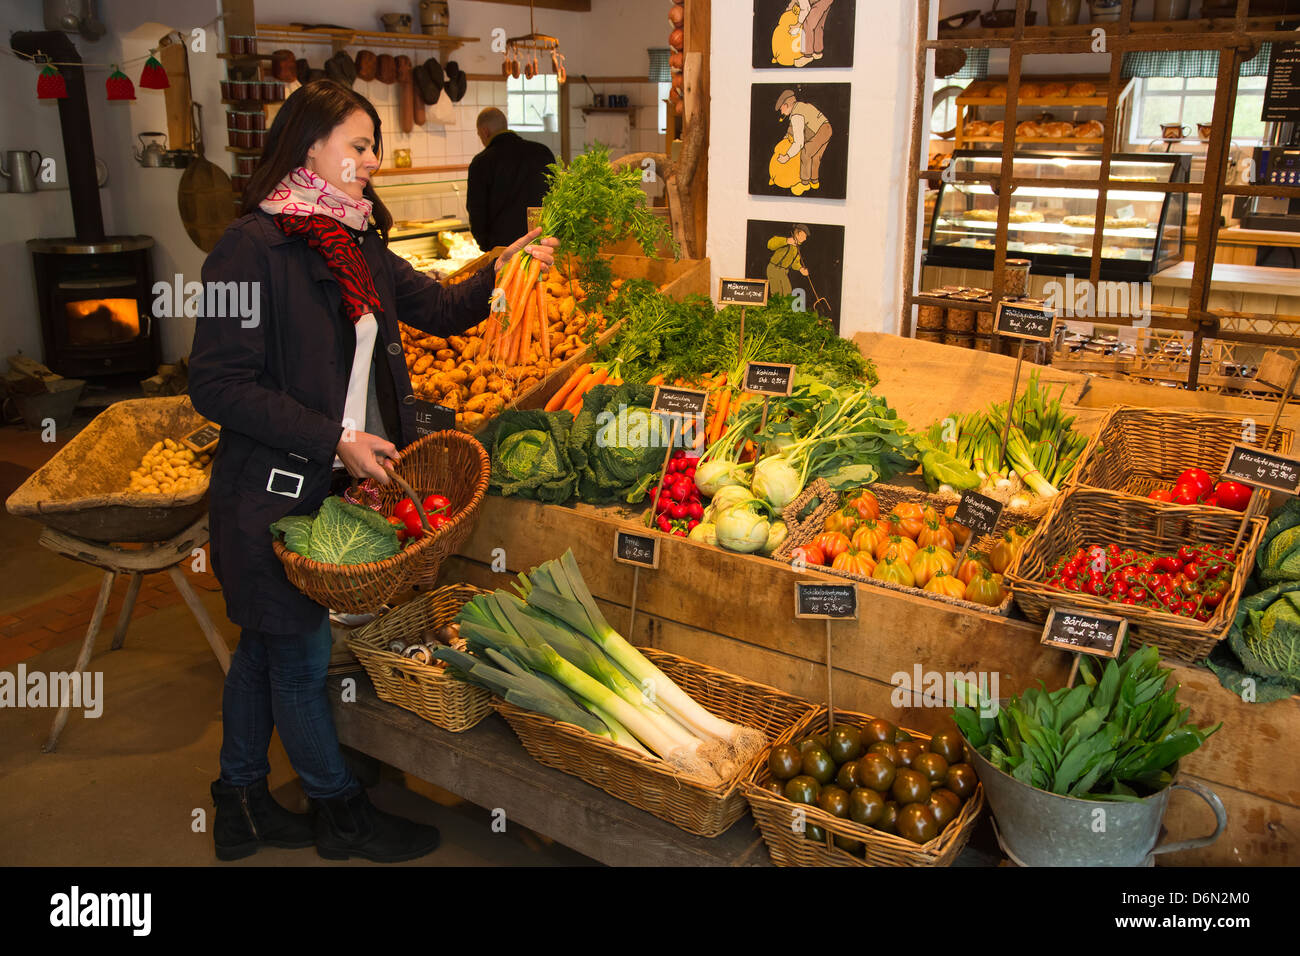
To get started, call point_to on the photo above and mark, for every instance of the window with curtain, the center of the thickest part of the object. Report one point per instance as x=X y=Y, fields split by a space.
x=1177 y=86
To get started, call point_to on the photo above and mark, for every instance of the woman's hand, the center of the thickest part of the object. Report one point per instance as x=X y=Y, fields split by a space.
x=364 y=455
x=543 y=252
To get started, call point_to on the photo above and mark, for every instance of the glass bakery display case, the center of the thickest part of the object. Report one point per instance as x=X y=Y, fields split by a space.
x=1053 y=226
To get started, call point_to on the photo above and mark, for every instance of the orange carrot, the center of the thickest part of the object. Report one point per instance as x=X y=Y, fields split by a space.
x=559 y=398
x=657 y=380
x=543 y=323
x=720 y=419
x=593 y=379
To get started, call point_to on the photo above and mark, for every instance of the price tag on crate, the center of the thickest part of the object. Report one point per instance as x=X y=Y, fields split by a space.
x=744 y=292
x=829 y=602
x=1275 y=370
x=638 y=550
x=1263 y=469
x=686 y=402
x=979 y=513
x=769 y=378
x=1034 y=323
x=430 y=418
x=202 y=439
x=1101 y=635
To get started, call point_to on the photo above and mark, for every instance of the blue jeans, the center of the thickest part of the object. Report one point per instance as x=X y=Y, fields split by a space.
x=278 y=680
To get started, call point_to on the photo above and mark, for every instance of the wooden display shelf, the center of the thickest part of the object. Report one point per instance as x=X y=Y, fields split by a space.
x=348 y=37
x=246 y=57
x=419 y=170
x=629 y=111
x=1028 y=140
x=1081 y=30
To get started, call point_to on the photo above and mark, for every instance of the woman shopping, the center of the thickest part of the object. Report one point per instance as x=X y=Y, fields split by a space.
x=311 y=392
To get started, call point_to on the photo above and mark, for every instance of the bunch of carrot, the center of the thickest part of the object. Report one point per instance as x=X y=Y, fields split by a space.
x=584 y=378
x=519 y=313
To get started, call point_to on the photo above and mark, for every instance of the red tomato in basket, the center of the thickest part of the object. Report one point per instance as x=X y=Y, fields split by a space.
x=1232 y=494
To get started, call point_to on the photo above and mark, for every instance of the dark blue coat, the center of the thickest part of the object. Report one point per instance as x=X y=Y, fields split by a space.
x=278 y=391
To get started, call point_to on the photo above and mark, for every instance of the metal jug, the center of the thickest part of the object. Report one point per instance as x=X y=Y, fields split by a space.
x=151 y=154
x=21 y=174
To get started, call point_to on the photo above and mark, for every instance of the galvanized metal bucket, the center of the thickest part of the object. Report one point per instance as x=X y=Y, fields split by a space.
x=1037 y=828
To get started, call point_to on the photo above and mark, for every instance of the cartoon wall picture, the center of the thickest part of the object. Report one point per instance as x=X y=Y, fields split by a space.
x=803 y=33
x=798 y=259
x=799 y=139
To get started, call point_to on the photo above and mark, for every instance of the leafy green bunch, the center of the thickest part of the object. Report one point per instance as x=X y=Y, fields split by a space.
x=1113 y=737
x=590 y=205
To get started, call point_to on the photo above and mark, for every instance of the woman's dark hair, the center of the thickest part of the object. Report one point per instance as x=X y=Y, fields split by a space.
x=308 y=116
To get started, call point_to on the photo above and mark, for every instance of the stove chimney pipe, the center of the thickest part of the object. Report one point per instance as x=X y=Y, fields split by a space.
x=74 y=119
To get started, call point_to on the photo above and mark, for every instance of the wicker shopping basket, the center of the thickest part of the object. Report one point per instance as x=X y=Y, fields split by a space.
x=647 y=783
x=1083 y=517
x=449 y=462
x=452 y=464
x=426 y=689
x=775 y=816
x=1140 y=450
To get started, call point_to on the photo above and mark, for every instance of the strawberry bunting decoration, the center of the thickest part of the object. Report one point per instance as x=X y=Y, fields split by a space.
x=119 y=85
x=51 y=85
x=153 y=77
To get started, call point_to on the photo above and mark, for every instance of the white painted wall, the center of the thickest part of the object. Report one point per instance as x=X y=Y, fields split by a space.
x=880 y=118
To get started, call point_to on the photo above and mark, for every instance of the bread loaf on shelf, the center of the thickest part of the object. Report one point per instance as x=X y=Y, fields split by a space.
x=1083 y=89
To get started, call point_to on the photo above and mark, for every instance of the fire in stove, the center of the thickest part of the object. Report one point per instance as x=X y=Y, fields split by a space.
x=102 y=321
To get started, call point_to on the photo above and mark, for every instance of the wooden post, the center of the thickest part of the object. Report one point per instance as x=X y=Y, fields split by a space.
x=87 y=648
x=740 y=349
x=695 y=98
x=766 y=400
x=124 y=615
x=830 y=681
x=1011 y=405
x=631 y=624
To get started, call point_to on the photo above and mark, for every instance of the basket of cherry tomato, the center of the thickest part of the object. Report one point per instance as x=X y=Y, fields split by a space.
x=1175 y=574
x=678 y=507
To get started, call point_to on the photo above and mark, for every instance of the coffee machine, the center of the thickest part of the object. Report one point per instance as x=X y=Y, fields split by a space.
x=1276 y=165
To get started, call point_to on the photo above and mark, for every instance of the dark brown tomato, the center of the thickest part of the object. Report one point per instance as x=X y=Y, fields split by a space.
x=876 y=772
x=848 y=776
x=961 y=780
x=848 y=845
x=888 y=821
x=785 y=761
x=845 y=743
x=834 y=800
x=910 y=787
x=878 y=730
x=866 y=806
x=888 y=751
x=948 y=745
x=814 y=833
x=817 y=763
x=908 y=751
x=933 y=766
x=944 y=805
x=802 y=789
x=917 y=823
x=775 y=786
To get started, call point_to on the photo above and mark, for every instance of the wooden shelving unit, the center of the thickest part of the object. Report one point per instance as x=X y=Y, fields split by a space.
x=978 y=96
x=339 y=38
x=1236 y=39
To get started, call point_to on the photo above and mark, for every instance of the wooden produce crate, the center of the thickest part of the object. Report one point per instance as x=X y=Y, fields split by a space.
x=1083 y=517
x=83 y=489
x=1140 y=450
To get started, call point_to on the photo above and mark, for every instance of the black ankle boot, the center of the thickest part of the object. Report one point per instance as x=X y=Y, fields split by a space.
x=353 y=826
x=249 y=817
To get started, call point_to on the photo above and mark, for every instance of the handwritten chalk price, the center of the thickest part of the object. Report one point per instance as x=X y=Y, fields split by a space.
x=826 y=601
x=639 y=550
x=1101 y=635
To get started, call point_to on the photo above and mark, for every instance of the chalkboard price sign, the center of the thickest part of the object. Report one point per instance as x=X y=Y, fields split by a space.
x=979 y=513
x=1101 y=635
x=747 y=292
x=1263 y=469
x=1282 y=94
x=430 y=418
x=639 y=550
x=679 y=401
x=825 y=601
x=203 y=438
x=769 y=378
x=1025 y=321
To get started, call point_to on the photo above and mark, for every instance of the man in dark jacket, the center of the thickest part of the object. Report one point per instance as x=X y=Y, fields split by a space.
x=504 y=180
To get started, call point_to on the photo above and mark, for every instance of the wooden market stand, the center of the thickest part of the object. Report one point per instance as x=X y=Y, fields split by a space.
x=734 y=612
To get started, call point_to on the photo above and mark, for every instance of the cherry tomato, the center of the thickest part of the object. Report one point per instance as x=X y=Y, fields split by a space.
x=437 y=521
x=1187 y=608
x=1212 y=501
x=436 y=504
x=405 y=509
x=1162 y=494
x=400 y=525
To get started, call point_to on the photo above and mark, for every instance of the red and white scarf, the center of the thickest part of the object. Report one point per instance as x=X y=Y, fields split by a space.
x=306 y=206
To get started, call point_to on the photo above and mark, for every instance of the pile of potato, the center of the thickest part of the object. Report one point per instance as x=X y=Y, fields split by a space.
x=455 y=371
x=169 y=468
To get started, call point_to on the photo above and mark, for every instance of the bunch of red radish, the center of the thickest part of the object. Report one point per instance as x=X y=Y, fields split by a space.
x=677 y=504
x=1195 y=487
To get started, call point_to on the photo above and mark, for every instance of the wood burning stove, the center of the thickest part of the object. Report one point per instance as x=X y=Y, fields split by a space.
x=94 y=291
x=95 y=304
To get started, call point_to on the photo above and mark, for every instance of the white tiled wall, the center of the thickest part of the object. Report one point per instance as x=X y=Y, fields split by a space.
x=644 y=96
